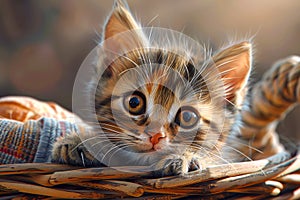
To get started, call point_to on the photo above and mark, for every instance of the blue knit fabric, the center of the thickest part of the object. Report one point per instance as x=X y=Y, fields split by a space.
x=31 y=141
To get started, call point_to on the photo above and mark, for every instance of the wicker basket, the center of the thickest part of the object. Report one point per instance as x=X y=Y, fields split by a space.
x=275 y=177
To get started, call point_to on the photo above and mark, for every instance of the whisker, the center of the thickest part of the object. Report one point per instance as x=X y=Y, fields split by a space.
x=119 y=149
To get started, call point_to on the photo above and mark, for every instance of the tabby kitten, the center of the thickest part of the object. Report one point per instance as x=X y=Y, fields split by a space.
x=157 y=107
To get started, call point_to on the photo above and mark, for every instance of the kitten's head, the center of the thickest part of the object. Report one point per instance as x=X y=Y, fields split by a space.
x=157 y=96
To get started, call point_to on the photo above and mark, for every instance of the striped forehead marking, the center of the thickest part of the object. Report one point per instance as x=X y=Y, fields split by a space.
x=164 y=97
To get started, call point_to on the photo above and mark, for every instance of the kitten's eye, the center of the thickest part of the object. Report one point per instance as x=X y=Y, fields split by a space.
x=135 y=103
x=187 y=117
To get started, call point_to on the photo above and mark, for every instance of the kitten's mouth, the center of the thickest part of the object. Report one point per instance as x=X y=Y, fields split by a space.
x=154 y=148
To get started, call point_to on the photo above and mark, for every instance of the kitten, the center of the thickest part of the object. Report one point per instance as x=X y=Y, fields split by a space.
x=157 y=107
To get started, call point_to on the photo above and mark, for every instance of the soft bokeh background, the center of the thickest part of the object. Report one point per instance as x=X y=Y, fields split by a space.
x=42 y=43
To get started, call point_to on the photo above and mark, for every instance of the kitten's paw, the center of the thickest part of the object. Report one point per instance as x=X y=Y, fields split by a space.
x=172 y=167
x=70 y=150
x=177 y=166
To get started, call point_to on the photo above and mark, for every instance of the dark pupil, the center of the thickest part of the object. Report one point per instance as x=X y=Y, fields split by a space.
x=134 y=102
x=186 y=116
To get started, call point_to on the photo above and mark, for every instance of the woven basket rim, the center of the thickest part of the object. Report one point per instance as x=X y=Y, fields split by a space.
x=263 y=177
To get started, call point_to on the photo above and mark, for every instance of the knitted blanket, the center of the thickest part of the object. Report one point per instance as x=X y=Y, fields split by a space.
x=28 y=129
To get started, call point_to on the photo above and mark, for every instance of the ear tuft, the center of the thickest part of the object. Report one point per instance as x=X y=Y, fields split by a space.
x=120 y=20
x=121 y=3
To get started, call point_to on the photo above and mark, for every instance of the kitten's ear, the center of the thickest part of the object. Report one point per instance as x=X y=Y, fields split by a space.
x=234 y=64
x=121 y=20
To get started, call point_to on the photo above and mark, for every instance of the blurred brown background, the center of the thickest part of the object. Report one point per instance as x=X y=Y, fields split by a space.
x=42 y=43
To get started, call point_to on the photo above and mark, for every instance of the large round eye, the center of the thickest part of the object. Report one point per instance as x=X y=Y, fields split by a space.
x=135 y=103
x=186 y=117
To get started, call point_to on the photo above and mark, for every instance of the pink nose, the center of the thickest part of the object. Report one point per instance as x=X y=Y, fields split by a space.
x=156 y=137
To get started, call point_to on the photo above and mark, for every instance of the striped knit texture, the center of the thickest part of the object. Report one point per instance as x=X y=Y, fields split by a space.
x=31 y=141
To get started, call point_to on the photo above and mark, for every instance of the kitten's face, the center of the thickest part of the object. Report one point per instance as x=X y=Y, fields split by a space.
x=160 y=102
x=163 y=105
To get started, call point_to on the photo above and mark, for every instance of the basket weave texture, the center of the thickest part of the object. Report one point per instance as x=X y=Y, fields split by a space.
x=277 y=177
